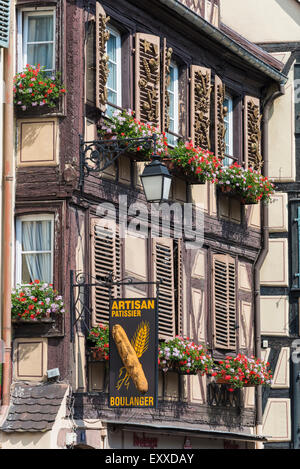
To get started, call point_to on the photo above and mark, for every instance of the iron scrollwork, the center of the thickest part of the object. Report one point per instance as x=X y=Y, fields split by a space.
x=97 y=155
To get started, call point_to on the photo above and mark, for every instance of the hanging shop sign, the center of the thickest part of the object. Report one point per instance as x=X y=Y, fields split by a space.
x=133 y=352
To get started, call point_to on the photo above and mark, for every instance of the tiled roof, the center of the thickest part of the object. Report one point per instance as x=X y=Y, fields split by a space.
x=33 y=408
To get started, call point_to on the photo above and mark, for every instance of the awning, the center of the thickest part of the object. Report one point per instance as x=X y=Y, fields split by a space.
x=186 y=430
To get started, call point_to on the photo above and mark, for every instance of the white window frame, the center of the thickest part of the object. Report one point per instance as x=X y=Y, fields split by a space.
x=114 y=32
x=22 y=25
x=227 y=159
x=19 y=252
x=174 y=66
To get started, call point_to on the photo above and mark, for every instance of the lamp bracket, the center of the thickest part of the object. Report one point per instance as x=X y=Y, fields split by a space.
x=97 y=155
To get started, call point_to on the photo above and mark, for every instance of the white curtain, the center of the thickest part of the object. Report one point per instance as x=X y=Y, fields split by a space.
x=37 y=236
x=40 y=29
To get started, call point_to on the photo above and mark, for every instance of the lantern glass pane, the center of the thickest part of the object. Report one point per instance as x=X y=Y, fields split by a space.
x=167 y=187
x=153 y=187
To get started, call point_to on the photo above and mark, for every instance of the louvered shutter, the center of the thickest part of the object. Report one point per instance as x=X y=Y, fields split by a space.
x=163 y=269
x=179 y=280
x=4 y=22
x=147 y=75
x=200 y=106
x=252 y=138
x=166 y=60
x=102 y=70
x=220 y=129
x=224 y=301
x=105 y=255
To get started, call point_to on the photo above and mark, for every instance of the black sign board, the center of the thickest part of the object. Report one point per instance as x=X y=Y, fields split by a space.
x=133 y=352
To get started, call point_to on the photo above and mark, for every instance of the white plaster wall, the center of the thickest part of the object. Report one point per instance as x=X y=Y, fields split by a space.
x=281 y=139
x=25 y=440
x=263 y=20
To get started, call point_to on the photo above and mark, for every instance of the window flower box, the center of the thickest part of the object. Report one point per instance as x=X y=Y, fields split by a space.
x=242 y=371
x=135 y=152
x=98 y=343
x=182 y=173
x=43 y=320
x=198 y=165
x=123 y=125
x=248 y=185
x=184 y=356
x=224 y=381
x=37 y=93
x=232 y=193
x=96 y=354
x=35 y=303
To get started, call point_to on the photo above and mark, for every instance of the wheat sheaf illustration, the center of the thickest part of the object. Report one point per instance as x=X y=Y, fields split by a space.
x=140 y=343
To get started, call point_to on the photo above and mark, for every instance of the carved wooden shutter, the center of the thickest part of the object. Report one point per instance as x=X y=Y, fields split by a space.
x=102 y=70
x=147 y=75
x=164 y=269
x=105 y=256
x=166 y=60
x=200 y=106
x=220 y=129
x=4 y=22
x=224 y=301
x=252 y=139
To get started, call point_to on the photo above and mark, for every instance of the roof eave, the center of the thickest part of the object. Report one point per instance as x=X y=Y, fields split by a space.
x=214 y=33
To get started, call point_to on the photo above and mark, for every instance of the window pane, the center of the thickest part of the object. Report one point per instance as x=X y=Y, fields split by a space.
x=40 y=28
x=112 y=48
x=172 y=78
x=112 y=77
x=109 y=111
x=40 y=54
x=36 y=267
x=229 y=131
x=171 y=107
x=171 y=125
x=112 y=97
x=172 y=140
x=37 y=235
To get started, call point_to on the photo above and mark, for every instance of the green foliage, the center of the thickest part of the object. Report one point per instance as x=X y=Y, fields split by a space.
x=183 y=355
x=240 y=371
x=99 y=338
x=34 y=88
x=35 y=301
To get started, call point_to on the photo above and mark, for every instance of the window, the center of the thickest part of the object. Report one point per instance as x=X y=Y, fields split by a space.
x=114 y=90
x=228 y=121
x=224 y=301
x=36 y=39
x=34 y=248
x=173 y=105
